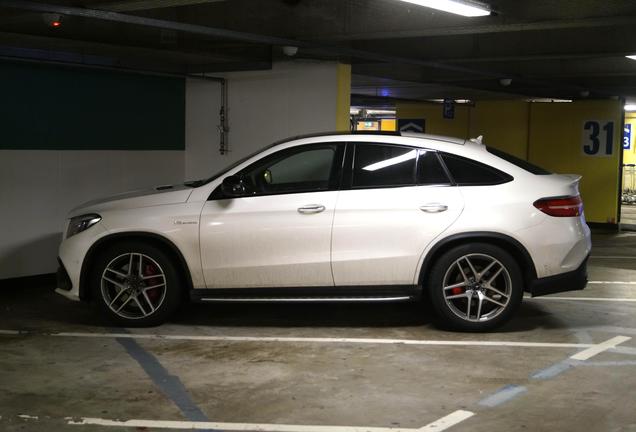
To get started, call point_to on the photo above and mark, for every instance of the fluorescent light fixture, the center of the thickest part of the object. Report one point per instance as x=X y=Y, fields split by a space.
x=631 y=57
x=548 y=100
x=390 y=162
x=457 y=101
x=630 y=107
x=381 y=112
x=458 y=7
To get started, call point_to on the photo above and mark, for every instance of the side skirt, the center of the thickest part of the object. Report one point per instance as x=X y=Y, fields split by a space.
x=347 y=294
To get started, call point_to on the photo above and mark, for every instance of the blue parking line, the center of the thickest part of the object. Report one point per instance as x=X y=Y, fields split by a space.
x=503 y=395
x=553 y=370
x=170 y=385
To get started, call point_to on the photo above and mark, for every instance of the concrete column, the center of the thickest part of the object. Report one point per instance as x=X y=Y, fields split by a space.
x=293 y=98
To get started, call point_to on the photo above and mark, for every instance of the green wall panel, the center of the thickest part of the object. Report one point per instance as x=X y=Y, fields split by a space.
x=63 y=108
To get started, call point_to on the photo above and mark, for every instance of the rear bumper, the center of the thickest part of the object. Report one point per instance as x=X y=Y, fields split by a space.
x=570 y=281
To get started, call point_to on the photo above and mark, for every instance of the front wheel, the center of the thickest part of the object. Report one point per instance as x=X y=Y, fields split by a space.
x=135 y=284
x=475 y=287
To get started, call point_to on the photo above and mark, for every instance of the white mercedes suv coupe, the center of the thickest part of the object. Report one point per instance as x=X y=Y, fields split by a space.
x=337 y=217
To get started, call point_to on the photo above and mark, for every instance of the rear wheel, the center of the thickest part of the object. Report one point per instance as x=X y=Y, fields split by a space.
x=135 y=284
x=475 y=287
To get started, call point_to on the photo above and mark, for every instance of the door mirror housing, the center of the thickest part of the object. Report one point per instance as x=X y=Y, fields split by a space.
x=233 y=186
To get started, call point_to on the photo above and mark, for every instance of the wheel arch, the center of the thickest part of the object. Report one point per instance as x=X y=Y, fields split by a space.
x=151 y=238
x=509 y=244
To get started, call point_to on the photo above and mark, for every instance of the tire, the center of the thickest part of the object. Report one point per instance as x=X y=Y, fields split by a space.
x=464 y=297
x=146 y=296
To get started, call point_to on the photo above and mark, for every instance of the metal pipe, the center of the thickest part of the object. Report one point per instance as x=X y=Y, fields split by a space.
x=223 y=121
x=223 y=125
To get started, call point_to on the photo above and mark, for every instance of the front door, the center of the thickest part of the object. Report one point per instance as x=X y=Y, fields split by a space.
x=279 y=234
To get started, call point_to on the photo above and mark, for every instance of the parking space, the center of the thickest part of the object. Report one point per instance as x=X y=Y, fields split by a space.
x=247 y=195
x=316 y=367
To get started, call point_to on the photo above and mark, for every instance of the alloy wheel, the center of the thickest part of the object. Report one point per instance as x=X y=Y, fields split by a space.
x=477 y=287
x=133 y=285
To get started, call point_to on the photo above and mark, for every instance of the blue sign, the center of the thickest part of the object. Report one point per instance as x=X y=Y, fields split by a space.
x=627 y=137
x=449 y=109
x=412 y=125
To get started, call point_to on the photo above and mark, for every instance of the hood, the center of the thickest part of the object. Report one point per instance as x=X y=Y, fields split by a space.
x=160 y=195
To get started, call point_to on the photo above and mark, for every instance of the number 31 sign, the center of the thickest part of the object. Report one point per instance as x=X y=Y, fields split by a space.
x=598 y=138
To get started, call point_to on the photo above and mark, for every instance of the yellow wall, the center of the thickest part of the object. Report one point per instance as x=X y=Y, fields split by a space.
x=548 y=134
x=389 y=125
x=556 y=136
x=343 y=97
x=435 y=122
x=629 y=156
x=504 y=125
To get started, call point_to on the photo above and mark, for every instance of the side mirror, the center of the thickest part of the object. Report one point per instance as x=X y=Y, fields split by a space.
x=233 y=186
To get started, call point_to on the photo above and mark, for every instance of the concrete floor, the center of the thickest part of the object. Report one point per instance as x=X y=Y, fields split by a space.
x=46 y=378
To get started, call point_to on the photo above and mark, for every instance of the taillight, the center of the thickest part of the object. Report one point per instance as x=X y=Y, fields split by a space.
x=561 y=207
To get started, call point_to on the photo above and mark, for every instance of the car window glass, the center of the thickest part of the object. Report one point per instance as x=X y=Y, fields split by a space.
x=313 y=165
x=523 y=164
x=429 y=170
x=377 y=165
x=292 y=171
x=467 y=172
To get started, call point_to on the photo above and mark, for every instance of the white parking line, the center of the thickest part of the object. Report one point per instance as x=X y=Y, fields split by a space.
x=613 y=257
x=601 y=299
x=318 y=340
x=599 y=348
x=611 y=282
x=9 y=332
x=438 y=425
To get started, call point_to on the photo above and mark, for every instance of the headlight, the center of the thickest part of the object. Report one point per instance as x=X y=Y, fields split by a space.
x=81 y=223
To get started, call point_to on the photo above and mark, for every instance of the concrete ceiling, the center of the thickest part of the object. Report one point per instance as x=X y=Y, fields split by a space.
x=550 y=49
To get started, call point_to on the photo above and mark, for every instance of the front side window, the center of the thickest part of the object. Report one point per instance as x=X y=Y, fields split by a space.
x=304 y=169
x=379 y=165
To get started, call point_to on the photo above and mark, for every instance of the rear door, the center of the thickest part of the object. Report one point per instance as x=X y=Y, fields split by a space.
x=395 y=201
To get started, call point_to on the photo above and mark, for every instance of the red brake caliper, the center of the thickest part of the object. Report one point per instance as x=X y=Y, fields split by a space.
x=457 y=290
x=151 y=270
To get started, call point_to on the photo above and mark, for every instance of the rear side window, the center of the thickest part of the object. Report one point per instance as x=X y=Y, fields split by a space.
x=525 y=165
x=430 y=170
x=467 y=172
x=378 y=165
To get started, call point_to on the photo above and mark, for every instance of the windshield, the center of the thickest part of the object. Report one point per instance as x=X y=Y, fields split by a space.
x=197 y=183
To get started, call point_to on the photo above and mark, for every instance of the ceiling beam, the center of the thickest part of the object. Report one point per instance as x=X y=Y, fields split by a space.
x=480 y=29
x=137 y=5
x=535 y=57
x=268 y=40
x=54 y=49
x=82 y=47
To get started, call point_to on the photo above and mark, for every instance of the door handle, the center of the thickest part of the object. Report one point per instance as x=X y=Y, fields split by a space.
x=434 y=208
x=311 y=208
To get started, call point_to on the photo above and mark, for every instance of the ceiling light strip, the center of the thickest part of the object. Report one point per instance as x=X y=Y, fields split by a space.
x=463 y=8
